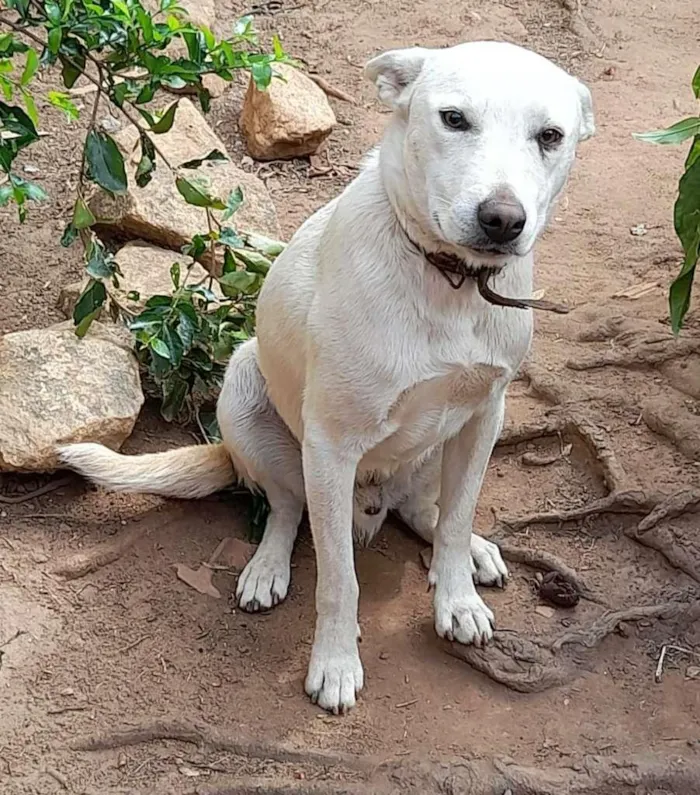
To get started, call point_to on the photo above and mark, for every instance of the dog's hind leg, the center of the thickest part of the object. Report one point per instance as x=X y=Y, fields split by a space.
x=419 y=510
x=265 y=450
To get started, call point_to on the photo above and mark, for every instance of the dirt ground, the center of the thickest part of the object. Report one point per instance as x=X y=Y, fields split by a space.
x=206 y=699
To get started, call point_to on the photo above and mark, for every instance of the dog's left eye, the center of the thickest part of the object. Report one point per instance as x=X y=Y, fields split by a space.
x=550 y=137
x=454 y=119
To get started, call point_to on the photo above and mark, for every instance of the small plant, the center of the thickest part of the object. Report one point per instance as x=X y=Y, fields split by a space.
x=183 y=340
x=686 y=214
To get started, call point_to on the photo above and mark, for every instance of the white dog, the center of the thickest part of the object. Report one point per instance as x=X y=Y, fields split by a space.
x=380 y=370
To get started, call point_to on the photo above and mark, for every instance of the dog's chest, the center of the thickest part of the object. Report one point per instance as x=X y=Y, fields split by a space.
x=446 y=376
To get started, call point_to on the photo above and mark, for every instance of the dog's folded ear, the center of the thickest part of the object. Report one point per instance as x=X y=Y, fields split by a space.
x=393 y=72
x=587 y=118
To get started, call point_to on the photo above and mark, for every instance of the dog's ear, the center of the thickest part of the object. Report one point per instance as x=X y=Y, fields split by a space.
x=587 y=119
x=393 y=71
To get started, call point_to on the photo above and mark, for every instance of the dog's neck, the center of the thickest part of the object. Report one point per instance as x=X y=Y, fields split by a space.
x=452 y=262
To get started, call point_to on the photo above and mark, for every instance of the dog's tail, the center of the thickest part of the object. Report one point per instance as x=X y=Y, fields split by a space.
x=187 y=472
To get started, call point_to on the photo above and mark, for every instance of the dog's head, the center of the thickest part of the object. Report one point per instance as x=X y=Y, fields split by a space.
x=483 y=138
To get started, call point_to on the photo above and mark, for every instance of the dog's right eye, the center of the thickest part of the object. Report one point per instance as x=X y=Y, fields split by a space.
x=454 y=119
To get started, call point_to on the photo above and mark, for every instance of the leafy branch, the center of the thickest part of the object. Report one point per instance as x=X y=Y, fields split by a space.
x=686 y=214
x=129 y=54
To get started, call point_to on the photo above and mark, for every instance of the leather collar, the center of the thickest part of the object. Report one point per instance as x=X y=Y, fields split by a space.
x=456 y=271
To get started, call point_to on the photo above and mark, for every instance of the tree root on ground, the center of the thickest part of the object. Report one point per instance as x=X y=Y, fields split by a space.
x=102 y=554
x=653 y=350
x=196 y=733
x=534 y=665
x=591 y=775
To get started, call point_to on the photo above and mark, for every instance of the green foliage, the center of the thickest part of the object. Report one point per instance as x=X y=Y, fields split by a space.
x=686 y=214
x=184 y=339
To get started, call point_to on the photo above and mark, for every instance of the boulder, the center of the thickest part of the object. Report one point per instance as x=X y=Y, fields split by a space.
x=56 y=388
x=158 y=213
x=146 y=270
x=291 y=118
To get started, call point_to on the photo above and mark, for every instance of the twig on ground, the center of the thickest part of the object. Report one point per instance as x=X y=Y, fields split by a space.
x=660 y=665
x=39 y=492
x=331 y=90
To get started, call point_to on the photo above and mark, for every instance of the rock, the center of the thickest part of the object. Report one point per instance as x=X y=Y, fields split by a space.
x=145 y=270
x=215 y=85
x=290 y=119
x=158 y=213
x=56 y=389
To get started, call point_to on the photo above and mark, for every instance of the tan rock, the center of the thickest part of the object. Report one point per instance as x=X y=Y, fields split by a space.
x=146 y=270
x=290 y=119
x=158 y=213
x=56 y=388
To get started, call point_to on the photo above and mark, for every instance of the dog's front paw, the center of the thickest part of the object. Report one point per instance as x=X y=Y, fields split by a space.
x=489 y=567
x=335 y=678
x=264 y=582
x=460 y=613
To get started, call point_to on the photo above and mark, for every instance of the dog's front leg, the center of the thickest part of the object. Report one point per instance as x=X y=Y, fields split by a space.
x=460 y=613
x=335 y=671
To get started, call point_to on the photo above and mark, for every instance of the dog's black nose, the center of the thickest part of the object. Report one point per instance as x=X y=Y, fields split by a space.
x=502 y=218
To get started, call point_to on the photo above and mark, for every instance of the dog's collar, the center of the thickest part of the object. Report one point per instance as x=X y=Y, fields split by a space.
x=456 y=271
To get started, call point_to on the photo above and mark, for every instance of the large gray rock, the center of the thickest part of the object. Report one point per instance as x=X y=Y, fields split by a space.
x=56 y=389
x=145 y=269
x=158 y=213
x=291 y=118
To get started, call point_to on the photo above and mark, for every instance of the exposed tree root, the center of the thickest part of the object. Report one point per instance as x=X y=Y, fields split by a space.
x=653 y=350
x=591 y=775
x=533 y=665
x=575 y=423
x=204 y=735
x=89 y=560
x=261 y=787
x=670 y=418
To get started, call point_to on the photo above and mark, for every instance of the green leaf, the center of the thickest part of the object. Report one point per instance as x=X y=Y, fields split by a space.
x=30 y=68
x=147 y=164
x=62 y=101
x=6 y=193
x=71 y=67
x=69 y=236
x=88 y=306
x=261 y=72
x=234 y=201
x=99 y=264
x=215 y=155
x=193 y=194
x=694 y=152
x=175 y=274
x=174 y=395
x=686 y=216
x=156 y=344
x=675 y=134
x=254 y=261
x=82 y=216
x=53 y=11
x=237 y=282
x=277 y=48
x=105 y=162
x=265 y=245
x=228 y=237
x=30 y=105
x=55 y=37
x=166 y=120
x=696 y=83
